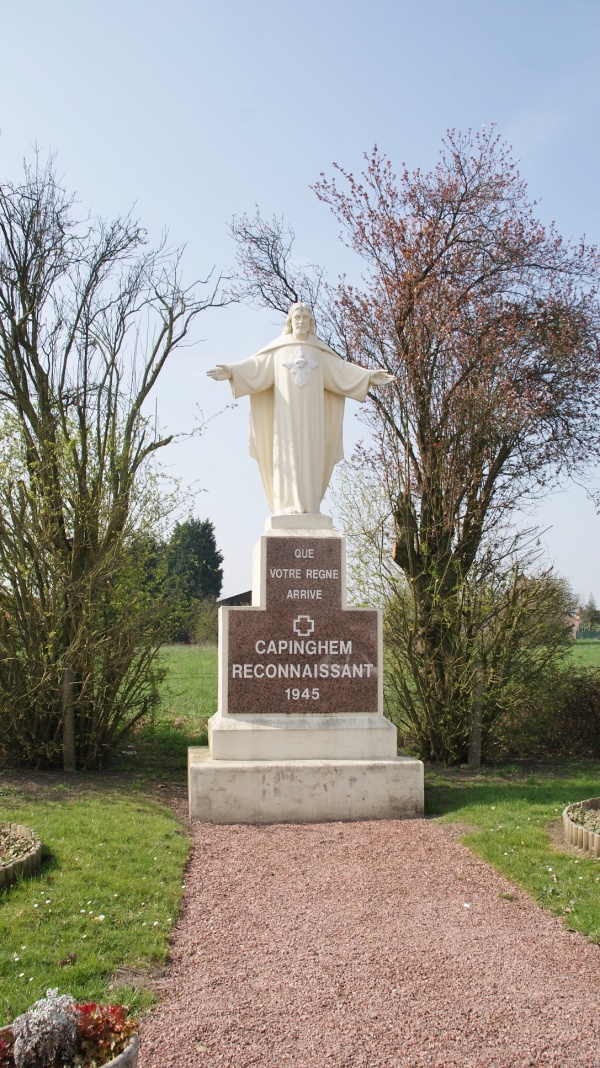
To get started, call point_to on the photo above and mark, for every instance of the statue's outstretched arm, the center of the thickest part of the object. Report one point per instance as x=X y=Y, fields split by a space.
x=220 y=373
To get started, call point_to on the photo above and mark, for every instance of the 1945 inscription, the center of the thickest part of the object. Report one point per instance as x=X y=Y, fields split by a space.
x=303 y=651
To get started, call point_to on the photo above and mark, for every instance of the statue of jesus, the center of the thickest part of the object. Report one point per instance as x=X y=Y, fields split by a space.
x=297 y=386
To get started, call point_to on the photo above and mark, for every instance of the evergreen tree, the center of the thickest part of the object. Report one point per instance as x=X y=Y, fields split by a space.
x=194 y=571
x=194 y=561
x=590 y=615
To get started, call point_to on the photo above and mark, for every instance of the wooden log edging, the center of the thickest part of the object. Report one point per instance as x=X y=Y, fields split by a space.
x=579 y=836
x=29 y=863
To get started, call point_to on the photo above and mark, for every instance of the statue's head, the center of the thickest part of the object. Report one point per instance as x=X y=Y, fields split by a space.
x=300 y=320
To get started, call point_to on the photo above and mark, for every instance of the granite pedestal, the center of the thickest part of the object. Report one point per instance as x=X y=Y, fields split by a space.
x=299 y=733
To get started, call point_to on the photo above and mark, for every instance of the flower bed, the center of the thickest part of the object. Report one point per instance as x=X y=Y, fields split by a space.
x=20 y=852
x=57 y=1030
x=581 y=823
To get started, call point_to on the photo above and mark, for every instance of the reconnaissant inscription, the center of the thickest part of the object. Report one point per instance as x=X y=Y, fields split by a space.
x=302 y=651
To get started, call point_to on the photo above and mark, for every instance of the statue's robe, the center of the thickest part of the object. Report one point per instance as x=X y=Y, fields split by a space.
x=296 y=416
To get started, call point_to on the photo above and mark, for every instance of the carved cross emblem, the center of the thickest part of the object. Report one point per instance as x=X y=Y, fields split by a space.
x=304 y=626
x=300 y=367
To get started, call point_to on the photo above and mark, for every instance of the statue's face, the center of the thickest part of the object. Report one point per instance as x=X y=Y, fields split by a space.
x=300 y=322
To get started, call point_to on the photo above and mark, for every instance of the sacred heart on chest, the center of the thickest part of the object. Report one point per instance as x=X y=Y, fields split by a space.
x=300 y=365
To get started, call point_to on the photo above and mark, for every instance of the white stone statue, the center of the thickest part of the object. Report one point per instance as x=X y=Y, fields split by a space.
x=297 y=386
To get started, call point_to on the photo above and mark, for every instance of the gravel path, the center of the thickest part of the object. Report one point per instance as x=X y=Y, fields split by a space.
x=351 y=944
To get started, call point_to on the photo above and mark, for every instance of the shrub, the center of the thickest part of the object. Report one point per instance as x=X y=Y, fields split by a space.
x=561 y=719
x=206 y=623
x=46 y=1035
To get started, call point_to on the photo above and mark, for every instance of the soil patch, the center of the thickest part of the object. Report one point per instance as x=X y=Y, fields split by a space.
x=556 y=834
x=455 y=829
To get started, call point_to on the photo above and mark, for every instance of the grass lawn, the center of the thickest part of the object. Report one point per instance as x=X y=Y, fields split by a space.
x=509 y=811
x=103 y=905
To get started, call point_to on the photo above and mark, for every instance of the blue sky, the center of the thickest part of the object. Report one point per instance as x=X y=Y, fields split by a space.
x=195 y=111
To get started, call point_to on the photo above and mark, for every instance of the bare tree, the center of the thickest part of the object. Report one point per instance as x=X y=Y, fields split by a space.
x=489 y=321
x=89 y=316
x=268 y=277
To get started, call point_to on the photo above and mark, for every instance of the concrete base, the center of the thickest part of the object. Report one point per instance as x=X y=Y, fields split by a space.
x=302 y=791
x=302 y=737
x=304 y=523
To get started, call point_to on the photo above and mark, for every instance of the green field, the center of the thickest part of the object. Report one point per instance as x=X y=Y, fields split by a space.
x=189 y=698
x=586 y=652
x=190 y=689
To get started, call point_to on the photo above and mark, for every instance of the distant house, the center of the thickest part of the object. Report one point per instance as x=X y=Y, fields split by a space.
x=574 y=623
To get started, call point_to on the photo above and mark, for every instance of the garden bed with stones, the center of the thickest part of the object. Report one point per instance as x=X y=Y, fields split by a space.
x=581 y=823
x=20 y=852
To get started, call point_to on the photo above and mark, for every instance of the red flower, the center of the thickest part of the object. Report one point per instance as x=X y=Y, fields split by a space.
x=6 y=1055
x=103 y=1029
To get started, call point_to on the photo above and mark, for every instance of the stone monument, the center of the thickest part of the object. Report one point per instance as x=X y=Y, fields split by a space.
x=299 y=733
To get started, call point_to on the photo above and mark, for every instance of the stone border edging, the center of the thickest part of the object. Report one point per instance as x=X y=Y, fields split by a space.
x=128 y=1058
x=579 y=836
x=25 y=865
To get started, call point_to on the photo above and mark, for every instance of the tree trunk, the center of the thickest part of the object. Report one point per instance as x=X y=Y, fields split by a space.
x=68 y=718
x=475 y=734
